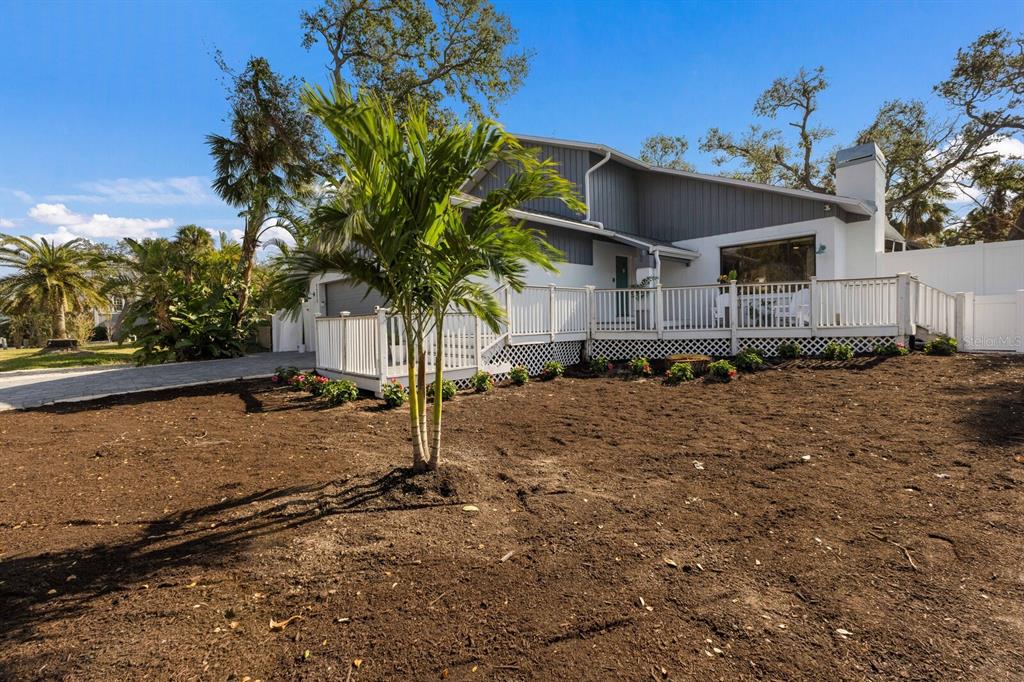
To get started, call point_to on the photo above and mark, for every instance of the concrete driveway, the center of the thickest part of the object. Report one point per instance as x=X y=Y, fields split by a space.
x=33 y=388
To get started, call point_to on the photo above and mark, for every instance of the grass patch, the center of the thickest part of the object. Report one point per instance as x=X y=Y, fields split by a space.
x=91 y=354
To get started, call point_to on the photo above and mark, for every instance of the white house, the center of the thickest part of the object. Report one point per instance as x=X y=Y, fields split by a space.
x=643 y=264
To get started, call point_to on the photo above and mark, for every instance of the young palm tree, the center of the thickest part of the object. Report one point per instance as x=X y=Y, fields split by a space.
x=394 y=226
x=58 y=278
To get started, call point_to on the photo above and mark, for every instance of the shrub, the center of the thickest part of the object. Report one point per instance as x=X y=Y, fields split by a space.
x=315 y=383
x=890 y=349
x=679 y=372
x=749 y=360
x=600 y=365
x=482 y=381
x=297 y=381
x=552 y=370
x=837 y=351
x=944 y=345
x=789 y=350
x=394 y=394
x=283 y=375
x=721 y=371
x=99 y=333
x=338 y=392
x=640 y=367
x=448 y=389
x=519 y=375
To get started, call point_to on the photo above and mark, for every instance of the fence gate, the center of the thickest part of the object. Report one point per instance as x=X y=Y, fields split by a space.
x=998 y=323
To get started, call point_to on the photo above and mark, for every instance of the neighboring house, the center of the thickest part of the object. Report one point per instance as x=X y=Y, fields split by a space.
x=648 y=228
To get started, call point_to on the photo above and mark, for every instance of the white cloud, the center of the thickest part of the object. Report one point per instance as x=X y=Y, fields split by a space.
x=17 y=194
x=61 y=236
x=96 y=225
x=168 y=191
x=6 y=224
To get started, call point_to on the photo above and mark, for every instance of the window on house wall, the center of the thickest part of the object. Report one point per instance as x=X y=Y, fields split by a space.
x=785 y=260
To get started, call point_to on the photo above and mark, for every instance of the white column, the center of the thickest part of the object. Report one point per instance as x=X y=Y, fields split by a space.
x=734 y=317
x=904 y=305
x=551 y=310
x=963 y=323
x=588 y=348
x=815 y=305
x=344 y=340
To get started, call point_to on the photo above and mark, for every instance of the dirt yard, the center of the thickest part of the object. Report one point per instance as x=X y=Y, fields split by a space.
x=803 y=523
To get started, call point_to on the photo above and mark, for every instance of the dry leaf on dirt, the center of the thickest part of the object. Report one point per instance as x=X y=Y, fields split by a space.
x=277 y=626
x=671 y=563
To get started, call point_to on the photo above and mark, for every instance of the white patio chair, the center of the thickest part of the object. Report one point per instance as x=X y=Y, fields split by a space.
x=799 y=309
x=719 y=306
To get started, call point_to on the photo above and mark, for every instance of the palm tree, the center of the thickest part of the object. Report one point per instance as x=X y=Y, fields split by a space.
x=58 y=278
x=265 y=162
x=393 y=225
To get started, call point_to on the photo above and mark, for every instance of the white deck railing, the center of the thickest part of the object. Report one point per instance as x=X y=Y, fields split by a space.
x=374 y=346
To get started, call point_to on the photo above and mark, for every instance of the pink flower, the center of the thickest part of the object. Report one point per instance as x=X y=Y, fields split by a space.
x=274 y=378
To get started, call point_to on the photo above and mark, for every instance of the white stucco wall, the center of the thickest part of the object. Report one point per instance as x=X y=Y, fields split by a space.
x=830 y=232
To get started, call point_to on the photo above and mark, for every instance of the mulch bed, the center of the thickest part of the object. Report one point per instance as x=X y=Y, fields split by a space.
x=809 y=521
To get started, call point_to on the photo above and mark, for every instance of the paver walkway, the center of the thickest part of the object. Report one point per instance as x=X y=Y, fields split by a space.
x=44 y=387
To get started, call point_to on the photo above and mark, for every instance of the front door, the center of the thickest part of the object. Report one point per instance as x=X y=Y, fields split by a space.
x=622 y=282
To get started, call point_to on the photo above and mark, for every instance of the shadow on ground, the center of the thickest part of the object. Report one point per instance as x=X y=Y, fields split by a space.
x=204 y=537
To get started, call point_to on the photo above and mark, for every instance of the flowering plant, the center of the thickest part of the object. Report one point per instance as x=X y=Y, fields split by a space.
x=482 y=381
x=448 y=389
x=837 y=351
x=519 y=375
x=943 y=345
x=749 y=360
x=679 y=372
x=640 y=367
x=552 y=370
x=891 y=349
x=283 y=375
x=339 y=391
x=721 y=371
x=394 y=393
x=315 y=383
x=600 y=365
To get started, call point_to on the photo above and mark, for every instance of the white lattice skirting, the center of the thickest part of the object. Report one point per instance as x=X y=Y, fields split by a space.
x=625 y=349
x=815 y=345
x=534 y=355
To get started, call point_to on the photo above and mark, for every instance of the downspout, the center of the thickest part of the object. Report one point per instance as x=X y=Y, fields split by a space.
x=586 y=189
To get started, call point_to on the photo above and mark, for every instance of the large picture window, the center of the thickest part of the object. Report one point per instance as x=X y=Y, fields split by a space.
x=785 y=260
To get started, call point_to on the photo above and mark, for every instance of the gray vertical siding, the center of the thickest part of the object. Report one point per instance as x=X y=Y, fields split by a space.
x=614 y=197
x=576 y=247
x=572 y=165
x=672 y=208
x=344 y=296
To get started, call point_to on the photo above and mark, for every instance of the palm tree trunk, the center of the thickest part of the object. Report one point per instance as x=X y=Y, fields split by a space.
x=435 y=447
x=415 y=406
x=247 y=262
x=60 y=327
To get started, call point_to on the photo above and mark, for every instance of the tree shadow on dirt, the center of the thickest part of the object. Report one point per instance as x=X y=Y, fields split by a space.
x=41 y=588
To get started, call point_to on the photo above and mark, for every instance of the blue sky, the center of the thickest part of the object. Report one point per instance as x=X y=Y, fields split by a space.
x=104 y=105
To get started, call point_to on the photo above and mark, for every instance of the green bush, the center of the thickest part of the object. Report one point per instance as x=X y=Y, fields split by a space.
x=837 y=351
x=283 y=375
x=552 y=370
x=448 y=389
x=338 y=392
x=482 y=381
x=315 y=383
x=679 y=372
x=890 y=349
x=944 y=345
x=721 y=371
x=749 y=360
x=640 y=367
x=394 y=394
x=789 y=350
x=600 y=365
x=519 y=375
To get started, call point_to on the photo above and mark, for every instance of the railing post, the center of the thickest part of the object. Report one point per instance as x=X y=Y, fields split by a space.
x=382 y=350
x=904 y=305
x=476 y=330
x=551 y=310
x=591 y=324
x=659 y=310
x=508 y=310
x=963 y=324
x=1020 y=321
x=734 y=317
x=344 y=334
x=815 y=305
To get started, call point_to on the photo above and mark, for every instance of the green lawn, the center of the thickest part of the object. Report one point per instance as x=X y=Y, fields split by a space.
x=90 y=354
